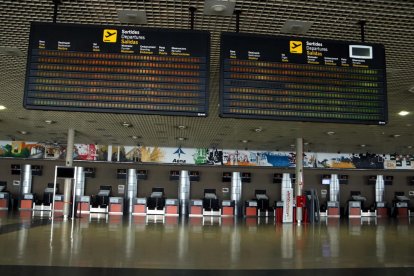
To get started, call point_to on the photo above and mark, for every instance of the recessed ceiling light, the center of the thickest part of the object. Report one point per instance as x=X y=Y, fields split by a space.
x=125 y=124
x=132 y=16
x=135 y=137
x=411 y=89
x=181 y=138
x=2 y=107
x=292 y=145
x=330 y=132
x=181 y=127
x=403 y=113
x=396 y=135
x=258 y=129
x=362 y=145
x=49 y=122
x=409 y=147
x=10 y=51
x=22 y=132
x=244 y=141
x=306 y=143
x=219 y=7
x=296 y=27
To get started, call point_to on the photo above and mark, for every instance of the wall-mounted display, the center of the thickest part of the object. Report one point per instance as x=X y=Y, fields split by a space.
x=226 y=177
x=121 y=173
x=326 y=179
x=15 y=169
x=388 y=180
x=246 y=177
x=302 y=79
x=142 y=174
x=277 y=178
x=343 y=179
x=194 y=175
x=174 y=175
x=117 y=69
x=89 y=172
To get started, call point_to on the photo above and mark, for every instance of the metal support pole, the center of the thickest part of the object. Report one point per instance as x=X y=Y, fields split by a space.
x=68 y=182
x=192 y=16
x=237 y=13
x=236 y=193
x=132 y=189
x=299 y=176
x=362 y=23
x=56 y=4
x=184 y=192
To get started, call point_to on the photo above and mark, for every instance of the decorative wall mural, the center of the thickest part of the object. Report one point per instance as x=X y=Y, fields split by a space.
x=205 y=156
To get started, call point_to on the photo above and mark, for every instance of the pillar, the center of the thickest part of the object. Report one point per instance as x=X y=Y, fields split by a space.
x=299 y=176
x=68 y=182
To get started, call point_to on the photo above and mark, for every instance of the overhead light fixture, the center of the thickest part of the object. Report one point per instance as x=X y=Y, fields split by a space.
x=49 y=122
x=411 y=89
x=126 y=124
x=136 y=137
x=181 y=127
x=296 y=27
x=10 y=51
x=362 y=145
x=132 y=16
x=396 y=135
x=409 y=147
x=244 y=141
x=219 y=7
x=181 y=138
x=2 y=107
x=330 y=133
x=403 y=113
x=23 y=132
x=258 y=130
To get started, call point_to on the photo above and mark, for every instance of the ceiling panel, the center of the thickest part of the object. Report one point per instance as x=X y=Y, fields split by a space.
x=388 y=22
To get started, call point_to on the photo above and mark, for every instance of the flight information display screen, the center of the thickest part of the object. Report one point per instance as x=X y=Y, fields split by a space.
x=302 y=79
x=117 y=69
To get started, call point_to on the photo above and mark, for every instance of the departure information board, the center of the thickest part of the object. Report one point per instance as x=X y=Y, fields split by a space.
x=302 y=79
x=117 y=69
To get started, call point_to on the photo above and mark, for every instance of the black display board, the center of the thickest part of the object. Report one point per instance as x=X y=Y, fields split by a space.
x=302 y=79
x=117 y=69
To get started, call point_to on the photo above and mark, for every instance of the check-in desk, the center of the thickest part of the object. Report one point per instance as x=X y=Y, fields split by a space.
x=354 y=209
x=140 y=206
x=250 y=208
x=4 y=200
x=196 y=208
x=84 y=205
x=171 y=207
x=333 y=209
x=382 y=210
x=26 y=203
x=279 y=211
x=227 y=208
x=402 y=208
x=400 y=205
x=116 y=205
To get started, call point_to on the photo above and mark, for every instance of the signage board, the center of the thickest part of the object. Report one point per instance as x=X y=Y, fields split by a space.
x=116 y=69
x=302 y=79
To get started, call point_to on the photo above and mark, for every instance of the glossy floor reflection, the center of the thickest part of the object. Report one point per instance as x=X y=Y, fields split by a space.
x=205 y=243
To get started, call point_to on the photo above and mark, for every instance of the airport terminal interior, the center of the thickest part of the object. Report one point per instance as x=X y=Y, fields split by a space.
x=208 y=137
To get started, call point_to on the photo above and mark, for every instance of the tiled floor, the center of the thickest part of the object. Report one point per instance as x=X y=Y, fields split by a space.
x=167 y=245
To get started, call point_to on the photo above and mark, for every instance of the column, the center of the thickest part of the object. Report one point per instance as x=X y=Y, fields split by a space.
x=299 y=176
x=68 y=182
